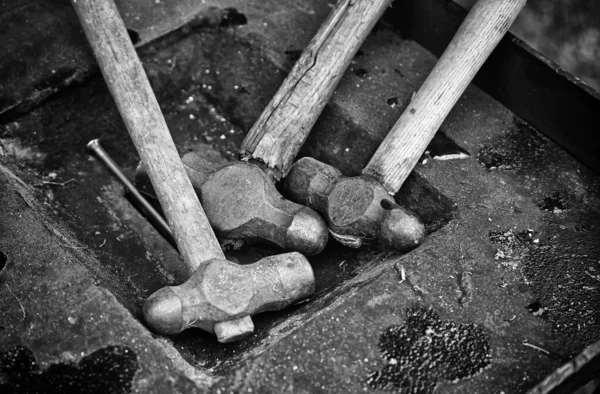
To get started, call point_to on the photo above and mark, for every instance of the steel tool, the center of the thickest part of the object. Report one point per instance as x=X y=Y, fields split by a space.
x=240 y=199
x=147 y=208
x=361 y=209
x=227 y=299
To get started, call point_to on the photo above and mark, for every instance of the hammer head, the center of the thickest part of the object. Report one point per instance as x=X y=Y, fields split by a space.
x=241 y=202
x=358 y=209
x=221 y=295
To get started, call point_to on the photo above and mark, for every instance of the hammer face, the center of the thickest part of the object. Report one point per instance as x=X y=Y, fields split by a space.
x=356 y=202
x=241 y=202
x=358 y=210
x=221 y=295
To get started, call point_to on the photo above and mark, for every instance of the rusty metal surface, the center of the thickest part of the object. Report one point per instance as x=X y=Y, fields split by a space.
x=34 y=70
x=511 y=255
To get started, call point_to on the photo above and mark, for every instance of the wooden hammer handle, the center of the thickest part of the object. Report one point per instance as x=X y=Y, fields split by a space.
x=139 y=109
x=284 y=125
x=480 y=32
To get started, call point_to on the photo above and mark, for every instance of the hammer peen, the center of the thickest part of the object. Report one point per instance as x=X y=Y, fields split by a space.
x=220 y=296
x=240 y=199
x=361 y=209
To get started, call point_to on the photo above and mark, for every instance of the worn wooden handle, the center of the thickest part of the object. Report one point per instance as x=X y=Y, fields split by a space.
x=135 y=100
x=481 y=31
x=284 y=125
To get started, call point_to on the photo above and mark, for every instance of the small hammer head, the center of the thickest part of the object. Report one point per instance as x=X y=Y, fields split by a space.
x=358 y=209
x=241 y=202
x=221 y=295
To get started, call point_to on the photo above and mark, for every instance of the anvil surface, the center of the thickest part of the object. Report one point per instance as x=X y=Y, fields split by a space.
x=510 y=265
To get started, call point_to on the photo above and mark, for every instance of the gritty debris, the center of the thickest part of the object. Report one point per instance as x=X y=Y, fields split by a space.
x=231 y=244
x=58 y=183
x=512 y=247
x=443 y=148
x=536 y=309
x=453 y=156
x=361 y=73
x=539 y=312
x=521 y=148
x=392 y=360
x=559 y=273
x=554 y=203
x=413 y=280
x=401 y=273
x=539 y=349
x=427 y=350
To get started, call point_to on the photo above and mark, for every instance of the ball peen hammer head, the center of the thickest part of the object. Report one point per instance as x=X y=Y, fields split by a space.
x=358 y=209
x=221 y=295
x=241 y=202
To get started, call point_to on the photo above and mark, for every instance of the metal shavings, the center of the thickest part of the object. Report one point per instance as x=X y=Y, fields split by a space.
x=16 y=298
x=58 y=183
x=466 y=288
x=401 y=273
x=453 y=156
x=347 y=240
x=427 y=350
x=539 y=312
x=539 y=349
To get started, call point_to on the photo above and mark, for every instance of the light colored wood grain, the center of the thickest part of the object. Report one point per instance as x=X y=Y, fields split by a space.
x=284 y=125
x=482 y=29
x=139 y=109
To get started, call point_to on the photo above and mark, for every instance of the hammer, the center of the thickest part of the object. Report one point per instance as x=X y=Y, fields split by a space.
x=360 y=209
x=220 y=296
x=240 y=200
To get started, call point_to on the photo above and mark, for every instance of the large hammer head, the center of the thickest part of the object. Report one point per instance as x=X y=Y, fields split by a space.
x=358 y=209
x=241 y=202
x=220 y=292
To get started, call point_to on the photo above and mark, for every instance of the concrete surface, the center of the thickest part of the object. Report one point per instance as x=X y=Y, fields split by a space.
x=510 y=266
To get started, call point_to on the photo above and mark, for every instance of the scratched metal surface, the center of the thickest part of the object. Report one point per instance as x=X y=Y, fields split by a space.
x=512 y=246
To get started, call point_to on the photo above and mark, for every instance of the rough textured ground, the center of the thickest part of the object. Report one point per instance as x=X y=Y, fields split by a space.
x=511 y=258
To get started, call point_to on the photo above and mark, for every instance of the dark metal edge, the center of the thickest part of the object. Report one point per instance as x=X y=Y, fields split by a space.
x=535 y=88
x=572 y=375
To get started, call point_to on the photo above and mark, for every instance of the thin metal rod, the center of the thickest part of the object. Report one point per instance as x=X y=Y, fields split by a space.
x=94 y=146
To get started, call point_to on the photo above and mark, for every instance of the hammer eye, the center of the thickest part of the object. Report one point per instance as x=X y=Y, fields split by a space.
x=387 y=205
